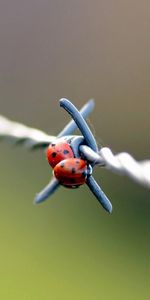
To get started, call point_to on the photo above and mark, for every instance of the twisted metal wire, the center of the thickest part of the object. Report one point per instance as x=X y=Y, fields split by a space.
x=18 y=133
x=121 y=163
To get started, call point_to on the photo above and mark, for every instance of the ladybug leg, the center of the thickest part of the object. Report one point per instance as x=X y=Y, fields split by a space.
x=81 y=123
x=47 y=191
x=99 y=194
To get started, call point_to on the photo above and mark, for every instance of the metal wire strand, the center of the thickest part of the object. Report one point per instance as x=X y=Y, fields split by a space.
x=122 y=164
x=19 y=133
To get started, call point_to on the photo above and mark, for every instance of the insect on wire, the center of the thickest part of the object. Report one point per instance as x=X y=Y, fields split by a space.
x=72 y=158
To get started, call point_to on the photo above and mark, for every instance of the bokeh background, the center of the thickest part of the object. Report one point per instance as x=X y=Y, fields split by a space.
x=69 y=247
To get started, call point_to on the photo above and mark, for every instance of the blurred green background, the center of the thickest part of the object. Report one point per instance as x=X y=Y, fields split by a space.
x=69 y=247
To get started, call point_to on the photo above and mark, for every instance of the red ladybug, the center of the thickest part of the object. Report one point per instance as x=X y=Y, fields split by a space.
x=71 y=172
x=58 y=151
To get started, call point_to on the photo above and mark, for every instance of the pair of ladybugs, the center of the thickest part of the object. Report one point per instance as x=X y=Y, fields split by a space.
x=70 y=170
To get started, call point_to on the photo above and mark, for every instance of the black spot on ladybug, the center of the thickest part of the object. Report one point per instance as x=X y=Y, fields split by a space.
x=73 y=170
x=62 y=165
x=77 y=162
x=72 y=180
x=54 y=154
x=65 y=151
x=84 y=174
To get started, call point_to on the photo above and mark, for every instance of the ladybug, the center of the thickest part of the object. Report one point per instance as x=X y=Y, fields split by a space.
x=71 y=172
x=58 y=151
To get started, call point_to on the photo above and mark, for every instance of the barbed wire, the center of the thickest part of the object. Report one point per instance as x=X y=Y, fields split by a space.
x=122 y=163
x=17 y=133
